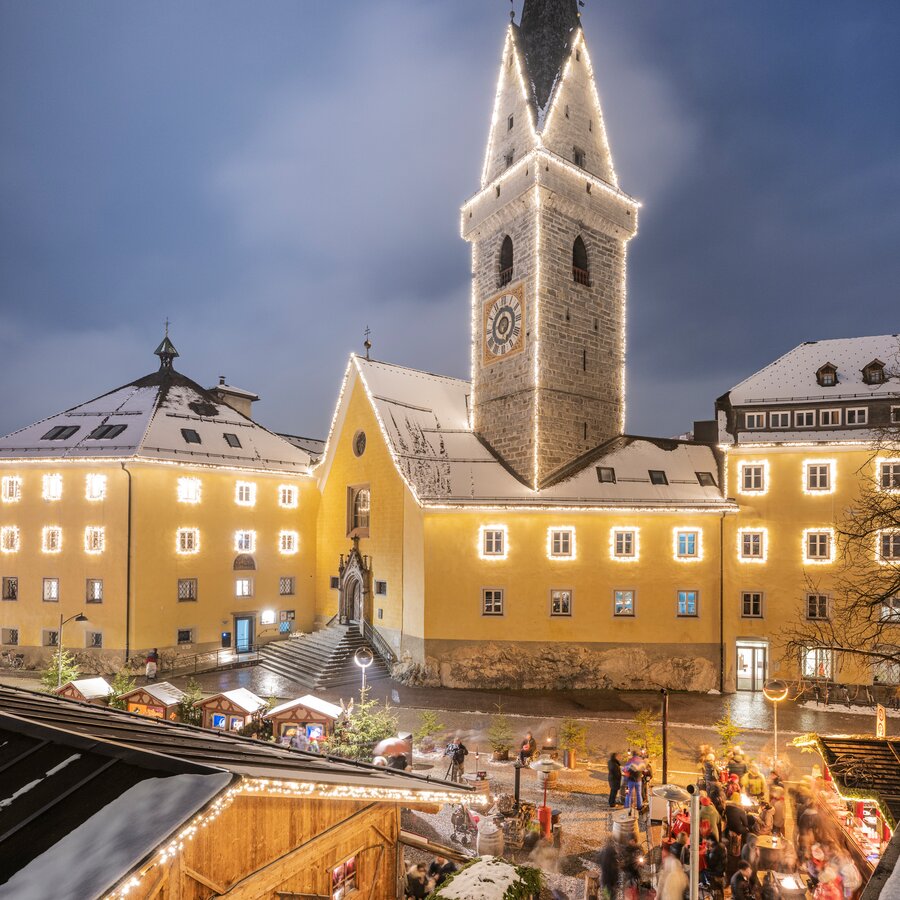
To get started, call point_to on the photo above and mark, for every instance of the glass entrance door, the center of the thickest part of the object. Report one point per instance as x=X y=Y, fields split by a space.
x=751 y=666
x=243 y=634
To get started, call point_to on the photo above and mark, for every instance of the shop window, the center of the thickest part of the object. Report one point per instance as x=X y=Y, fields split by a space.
x=10 y=636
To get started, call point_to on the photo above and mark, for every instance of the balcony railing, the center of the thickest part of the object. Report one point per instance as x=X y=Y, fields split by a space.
x=505 y=276
x=581 y=276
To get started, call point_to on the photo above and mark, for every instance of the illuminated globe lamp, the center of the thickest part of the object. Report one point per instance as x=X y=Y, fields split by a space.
x=363 y=658
x=775 y=690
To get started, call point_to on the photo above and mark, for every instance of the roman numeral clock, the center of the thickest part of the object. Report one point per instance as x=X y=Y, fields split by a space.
x=504 y=324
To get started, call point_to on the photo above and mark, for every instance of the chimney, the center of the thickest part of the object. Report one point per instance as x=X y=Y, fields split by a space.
x=238 y=399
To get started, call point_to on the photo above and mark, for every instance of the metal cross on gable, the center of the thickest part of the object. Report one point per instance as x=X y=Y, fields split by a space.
x=367 y=343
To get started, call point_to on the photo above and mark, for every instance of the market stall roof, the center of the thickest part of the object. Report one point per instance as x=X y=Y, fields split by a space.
x=865 y=766
x=90 y=688
x=310 y=702
x=166 y=693
x=239 y=755
x=240 y=697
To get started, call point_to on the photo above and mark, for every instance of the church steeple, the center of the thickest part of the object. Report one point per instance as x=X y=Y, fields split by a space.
x=547 y=30
x=166 y=352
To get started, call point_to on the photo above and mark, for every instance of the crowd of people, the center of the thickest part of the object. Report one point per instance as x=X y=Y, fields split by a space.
x=629 y=784
x=421 y=880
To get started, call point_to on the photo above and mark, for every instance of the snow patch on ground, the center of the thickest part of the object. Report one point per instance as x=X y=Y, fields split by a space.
x=849 y=710
x=89 y=860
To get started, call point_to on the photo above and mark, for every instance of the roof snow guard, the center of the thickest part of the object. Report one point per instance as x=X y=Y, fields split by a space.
x=546 y=31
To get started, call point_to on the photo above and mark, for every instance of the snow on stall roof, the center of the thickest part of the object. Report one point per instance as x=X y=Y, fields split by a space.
x=90 y=688
x=165 y=692
x=425 y=417
x=792 y=377
x=310 y=702
x=90 y=859
x=240 y=697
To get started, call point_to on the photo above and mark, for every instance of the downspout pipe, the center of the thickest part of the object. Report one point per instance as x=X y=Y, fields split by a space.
x=722 y=603
x=128 y=572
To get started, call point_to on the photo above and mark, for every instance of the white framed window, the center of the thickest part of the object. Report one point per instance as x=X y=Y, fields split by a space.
x=245 y=493
x=755 y=420
x=245 y=542
x=623 y=603
x=818 y=662
x=288 y=542
x=889 y=474
x=94 y=539
x=890 y=610
x=10 y=539
x=889 y=546
x=243 y=587
x=817 y=606
x=805 y=418
x=818 y=545
x=751 y=604
x=818 y=476
x=829 y=417
x=52 y=486
x=561 y=602
x=623 y=544
x=94 y=487
x=857 y=415
x=11 y=489
x=50 y=592
x=561 y=543
x=753 y=477
x=493 y=543
x=93 y=640
x=779 y=420
x=187 y=590
x=687 y=544
x=189 y=490
x=287 y=586
x=492 y=601
x=51 y=539
x=288 y=496
x=752 y=545
x=187 y=540
x=688 y=604
x=93 y=590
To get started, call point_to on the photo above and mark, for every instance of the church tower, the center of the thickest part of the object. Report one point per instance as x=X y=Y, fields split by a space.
x=549 y=229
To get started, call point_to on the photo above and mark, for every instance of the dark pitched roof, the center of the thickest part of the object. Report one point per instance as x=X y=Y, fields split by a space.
x=545 y=32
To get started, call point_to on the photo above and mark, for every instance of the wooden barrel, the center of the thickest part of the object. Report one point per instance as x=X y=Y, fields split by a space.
x=490 y=841
x=625 y=827
x=551 y=778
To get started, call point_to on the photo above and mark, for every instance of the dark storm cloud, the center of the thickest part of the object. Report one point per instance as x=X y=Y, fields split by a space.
x=274 y=177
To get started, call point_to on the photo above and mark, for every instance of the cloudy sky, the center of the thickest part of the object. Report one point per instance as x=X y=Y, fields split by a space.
x=275 y=176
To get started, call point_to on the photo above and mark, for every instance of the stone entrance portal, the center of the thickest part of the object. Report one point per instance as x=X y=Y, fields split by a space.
x=354 y=604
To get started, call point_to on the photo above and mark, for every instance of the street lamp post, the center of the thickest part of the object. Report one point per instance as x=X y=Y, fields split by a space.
x=79 y=617
x=363 y=658
x=775 y=690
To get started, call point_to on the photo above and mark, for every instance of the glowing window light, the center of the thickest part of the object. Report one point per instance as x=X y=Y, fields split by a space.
x=10 y=539
x=625 y=544
x=753 y=477
x=493 y=542
x=887 y=547
x=687 y=544
x=245 y=493
x=94 y=539
x=187 y=541
x=51 y=539
x=52 y=487
x=12 y=489
x=94 y=487
x=819 y=476
x=818 y=546
x=288 y=542
x=190 y=490
x=561 y=543
x=288 y=496
x=753 y=545
x=888 y=475
x=267 y=617
x=245 y=541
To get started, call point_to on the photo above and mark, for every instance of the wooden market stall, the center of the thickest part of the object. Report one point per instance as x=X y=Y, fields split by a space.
x=158 y=699
x=230 y=710
x=88 y=690
x=142 y=808
x=303 y=722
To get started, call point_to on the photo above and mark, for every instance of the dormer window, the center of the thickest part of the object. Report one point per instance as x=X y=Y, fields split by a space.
x=827 y=375
x=873 y=373
x=658 y=476
x=60 y=433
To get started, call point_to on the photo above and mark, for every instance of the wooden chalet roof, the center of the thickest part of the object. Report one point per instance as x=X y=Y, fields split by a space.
x=865 y=766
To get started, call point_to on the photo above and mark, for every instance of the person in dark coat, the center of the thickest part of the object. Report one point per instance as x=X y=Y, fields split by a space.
x=614 y=768
x=717 y=798
x=740 y=883
x=609 y=867
x=736 y=820
x=528 y=749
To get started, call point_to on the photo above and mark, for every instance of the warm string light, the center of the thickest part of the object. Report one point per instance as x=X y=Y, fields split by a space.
x=880 y=558
x=94 y=487
x=245 y=493
x=52 y=487
x=764 y=486
x=51 y=539
x=94 y=539
x=763 y=534
x=10 y=539
x=697 y=555
x=245 y=542
x=635 y=554
x=530 y=506
x=288 y=496
x=880 y=462
x=189 y=490
x=11 y=489
x=831 y=476
x=187 y=541
x=560 y=530
x=288 y=542
x=502 y=530
x=829 y=540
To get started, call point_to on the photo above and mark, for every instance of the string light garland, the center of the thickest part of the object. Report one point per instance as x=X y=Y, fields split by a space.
x=51 y=539
x=94 y=487
x=635 y=534
x=10 y=539
x=829 y=540
x=482 y=542
x=763 y=534
x=561 y=529
x=697 y=555
x=831 y=476
x=12 y=489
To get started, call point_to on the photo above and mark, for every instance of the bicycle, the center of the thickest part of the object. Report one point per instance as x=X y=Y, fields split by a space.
x=12 y=660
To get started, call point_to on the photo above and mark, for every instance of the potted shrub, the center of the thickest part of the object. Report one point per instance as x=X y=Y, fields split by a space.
x=572 y=741
x=500 y=737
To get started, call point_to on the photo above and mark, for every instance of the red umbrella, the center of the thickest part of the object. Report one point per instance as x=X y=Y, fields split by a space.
x=392 y=746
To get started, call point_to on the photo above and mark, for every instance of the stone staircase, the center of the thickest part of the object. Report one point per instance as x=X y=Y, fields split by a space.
x=323 y=659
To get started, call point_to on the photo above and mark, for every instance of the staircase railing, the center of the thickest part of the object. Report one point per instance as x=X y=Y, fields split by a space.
x=379 y=644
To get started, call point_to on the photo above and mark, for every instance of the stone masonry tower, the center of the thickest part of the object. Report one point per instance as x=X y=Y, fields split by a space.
x=549 y=229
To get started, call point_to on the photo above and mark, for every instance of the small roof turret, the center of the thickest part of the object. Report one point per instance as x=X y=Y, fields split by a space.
x=166 y=352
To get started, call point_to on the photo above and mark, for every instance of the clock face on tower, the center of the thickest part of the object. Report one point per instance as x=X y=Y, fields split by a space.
x=504 y=324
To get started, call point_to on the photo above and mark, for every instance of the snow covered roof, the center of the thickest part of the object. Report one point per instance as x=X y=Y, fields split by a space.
x=315 y=447
x=166 y=693
x=90 y=688
x=545 y=31
x=163 y=416
x=310 y=702
x=792 y=377
x=425 y=420
x=240 y=697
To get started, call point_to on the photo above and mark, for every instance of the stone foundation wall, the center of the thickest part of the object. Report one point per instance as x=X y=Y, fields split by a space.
x=562 y=666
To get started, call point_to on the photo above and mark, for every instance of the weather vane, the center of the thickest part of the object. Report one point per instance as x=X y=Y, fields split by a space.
x=167 y=326
x=367 y=343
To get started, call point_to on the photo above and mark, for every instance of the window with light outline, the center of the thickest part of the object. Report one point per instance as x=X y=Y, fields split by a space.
x=492 y=542
x=753 y=476
x=624 y=544
x=187 y=541
x=819 y=476
x=51 y=539
x=10 y=539
x=687 y=544
x=11 y=491
x=889 y=475
x=94 y=539
x=288 y=496
x=52 y=487
x=94 y=487
x=190 y=490
x=245 y=542
x=288 y=542
x=245 y=493
x=887 y=546
x=818 y=546
x=561 y=543
x=752 y=545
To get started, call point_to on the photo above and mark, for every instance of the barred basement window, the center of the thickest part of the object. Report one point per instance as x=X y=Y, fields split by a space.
x=93 y=590
x=286 y=586
x=94 y=640
x=50 y=638
x=492 y=602
x=185 y=636
x=51 y=590
x=751 y=604
x=381 y=588
x=187 y=589
x=10 y=636
x=10 y=588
